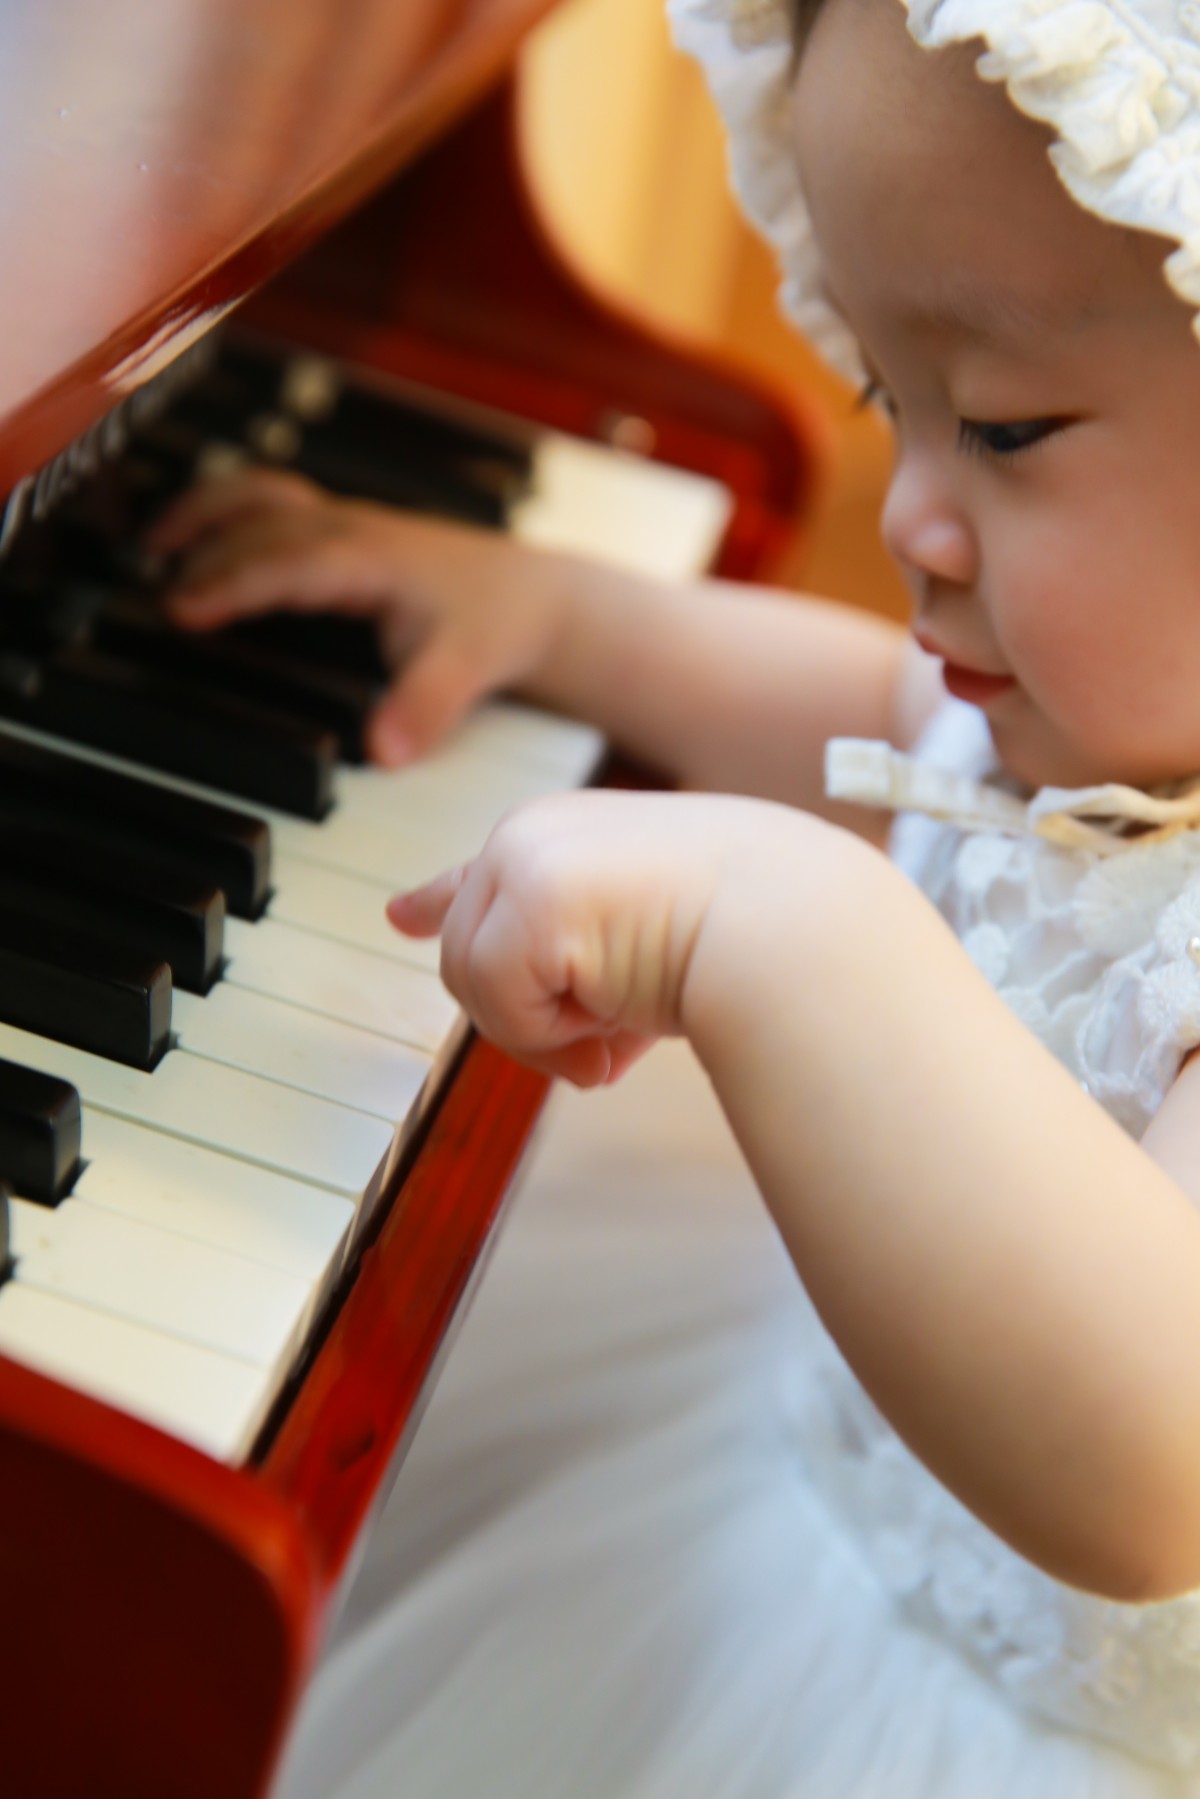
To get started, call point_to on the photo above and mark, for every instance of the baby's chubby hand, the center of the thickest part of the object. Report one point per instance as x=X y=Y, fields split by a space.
x=570 y=938
x=460 y=612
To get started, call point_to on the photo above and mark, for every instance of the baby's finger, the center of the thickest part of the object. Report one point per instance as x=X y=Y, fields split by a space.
x=252 y=577
x=433 y=694
x=256 y=536
x=209 y=504
x=499 y=962
x=421 y=911
x=624 y=1049
x=589 y=1062
x=584 y=1064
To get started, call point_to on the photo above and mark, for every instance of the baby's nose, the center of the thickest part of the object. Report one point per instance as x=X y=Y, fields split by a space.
x=926 y=530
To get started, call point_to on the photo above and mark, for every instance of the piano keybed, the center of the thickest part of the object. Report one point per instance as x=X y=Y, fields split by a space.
x=233 y=1158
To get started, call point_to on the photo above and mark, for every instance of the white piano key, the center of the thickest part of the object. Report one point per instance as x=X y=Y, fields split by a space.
x=347 y=908
x=615 y=506
x=165 y=1282
x=302 y=1049
x=226 y=1109
x=501 y=730
x=457 y=786
x=390 y=853
x=212 y=1401
x=216 y=1198
x=391 y=828
x=407 y=1005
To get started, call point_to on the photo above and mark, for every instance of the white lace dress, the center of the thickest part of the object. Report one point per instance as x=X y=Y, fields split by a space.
x=653 y=1539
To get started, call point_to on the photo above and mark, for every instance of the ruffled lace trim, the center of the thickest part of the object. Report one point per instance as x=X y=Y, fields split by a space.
x=745 y=50
x=1127 y=1674
x=1118 y=81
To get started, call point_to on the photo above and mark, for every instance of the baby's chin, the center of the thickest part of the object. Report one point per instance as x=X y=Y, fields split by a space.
x=1035 y=753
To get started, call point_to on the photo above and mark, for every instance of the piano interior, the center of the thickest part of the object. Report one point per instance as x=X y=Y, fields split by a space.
x=251 y=1159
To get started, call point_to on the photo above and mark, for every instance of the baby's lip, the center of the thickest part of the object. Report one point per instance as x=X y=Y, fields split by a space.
x=978 y=690
x=966 y=680
x=956 y=664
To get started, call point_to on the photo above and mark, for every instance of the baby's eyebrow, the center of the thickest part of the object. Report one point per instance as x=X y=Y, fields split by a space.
x=972 y=306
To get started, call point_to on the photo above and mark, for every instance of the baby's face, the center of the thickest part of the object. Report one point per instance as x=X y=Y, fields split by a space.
x=1045 y=384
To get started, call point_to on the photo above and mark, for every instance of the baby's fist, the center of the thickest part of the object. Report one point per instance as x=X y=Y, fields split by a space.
x=569 y=938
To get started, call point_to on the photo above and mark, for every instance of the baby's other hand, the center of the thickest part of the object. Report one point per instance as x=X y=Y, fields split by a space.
x=461 y=613
x=569 y=938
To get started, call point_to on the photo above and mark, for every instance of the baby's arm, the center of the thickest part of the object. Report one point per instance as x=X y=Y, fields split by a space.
x=1013 y=1279
x=718 y=686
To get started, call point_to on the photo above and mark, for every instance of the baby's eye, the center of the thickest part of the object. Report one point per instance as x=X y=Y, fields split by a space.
x=874 y=393
x=977 y=437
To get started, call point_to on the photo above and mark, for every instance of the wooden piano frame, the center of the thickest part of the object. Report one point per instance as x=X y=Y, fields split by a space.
x=161 y=1611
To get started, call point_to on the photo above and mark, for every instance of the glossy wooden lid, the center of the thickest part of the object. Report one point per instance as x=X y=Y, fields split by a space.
x=163 y=157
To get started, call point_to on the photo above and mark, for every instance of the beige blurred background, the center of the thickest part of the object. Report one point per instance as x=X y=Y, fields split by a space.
x=628 y=161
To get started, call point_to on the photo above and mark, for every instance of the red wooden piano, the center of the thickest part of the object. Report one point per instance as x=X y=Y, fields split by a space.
x=346 y=173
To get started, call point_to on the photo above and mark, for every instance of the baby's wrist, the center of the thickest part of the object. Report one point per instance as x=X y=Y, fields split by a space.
x=591 y=619
x=774 y=932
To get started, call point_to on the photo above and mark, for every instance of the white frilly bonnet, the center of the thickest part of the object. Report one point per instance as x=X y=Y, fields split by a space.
x=1117 y=81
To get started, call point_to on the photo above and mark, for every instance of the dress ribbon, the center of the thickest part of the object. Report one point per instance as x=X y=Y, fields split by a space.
x=1104 y=819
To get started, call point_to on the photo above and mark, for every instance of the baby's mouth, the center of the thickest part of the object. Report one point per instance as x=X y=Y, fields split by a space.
x=961 y=680
x=970 y=685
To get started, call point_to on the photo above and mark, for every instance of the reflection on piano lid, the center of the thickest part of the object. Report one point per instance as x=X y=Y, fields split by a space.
x=305 y=1037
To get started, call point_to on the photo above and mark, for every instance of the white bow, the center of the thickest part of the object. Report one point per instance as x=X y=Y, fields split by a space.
x=874 y=774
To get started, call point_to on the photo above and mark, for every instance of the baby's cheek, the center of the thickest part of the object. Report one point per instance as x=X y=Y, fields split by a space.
x=1045 y=619
x=1066 y=640
x=1088 y=657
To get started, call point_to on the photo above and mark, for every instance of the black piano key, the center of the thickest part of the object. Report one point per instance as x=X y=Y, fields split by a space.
x=94 y=533
x=123 y=898
x=220 y=404
x=403 y=430
x=247 y=374
x=330 y=640
x=326 y=698
x=40 y=1133
x=103 y=813
x=172 y=725
x=76 y=989
x=262 y=378
x=6 y=1261
x=372 y=445
x=343 y=466
x=163 y=460
x=84 y=544
x=353 y=469
x=151 y=482
x=40 y=615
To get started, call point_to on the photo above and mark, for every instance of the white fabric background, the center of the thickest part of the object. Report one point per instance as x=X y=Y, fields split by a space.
x=600 y=1575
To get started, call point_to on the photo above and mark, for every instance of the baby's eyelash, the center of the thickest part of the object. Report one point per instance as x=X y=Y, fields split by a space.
x=872 y=393
x=1004 y=442
x=996 y=441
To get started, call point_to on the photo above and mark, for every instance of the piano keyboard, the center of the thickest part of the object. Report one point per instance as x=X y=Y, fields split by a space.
x=176 y=1269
